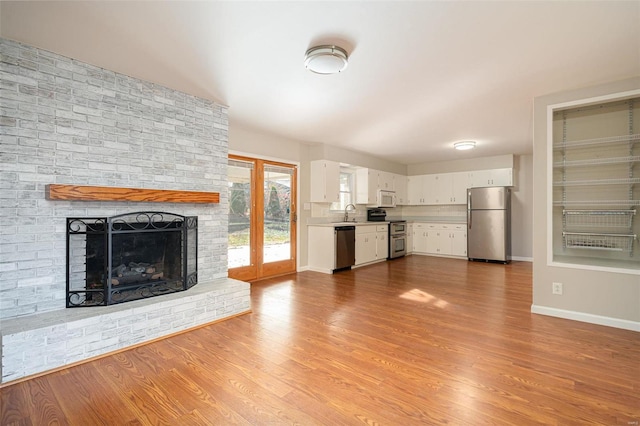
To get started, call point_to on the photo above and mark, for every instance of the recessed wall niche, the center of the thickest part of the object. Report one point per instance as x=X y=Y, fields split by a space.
x=596 y=184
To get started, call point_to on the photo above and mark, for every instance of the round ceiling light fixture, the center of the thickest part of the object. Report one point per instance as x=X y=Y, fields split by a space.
x=464 y=145
x=327 y=59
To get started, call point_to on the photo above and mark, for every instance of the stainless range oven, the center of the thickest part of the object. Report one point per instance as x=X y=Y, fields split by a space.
x=397 y=238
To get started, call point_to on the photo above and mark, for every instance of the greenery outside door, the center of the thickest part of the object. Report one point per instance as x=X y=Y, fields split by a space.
x=262 y=218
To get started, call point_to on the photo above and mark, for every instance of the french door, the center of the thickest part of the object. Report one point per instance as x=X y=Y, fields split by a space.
x=262 y=218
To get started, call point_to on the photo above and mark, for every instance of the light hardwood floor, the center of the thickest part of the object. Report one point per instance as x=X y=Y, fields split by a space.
x=418 y=340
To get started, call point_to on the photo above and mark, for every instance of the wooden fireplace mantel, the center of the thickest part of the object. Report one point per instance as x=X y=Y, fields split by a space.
x=107 y=193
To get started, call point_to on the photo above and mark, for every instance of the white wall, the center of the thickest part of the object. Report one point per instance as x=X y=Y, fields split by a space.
x=522 y=208
x=359 y=159
x=251 y=142
x=604 y=297
x=478 y=163
x=254 y=143
x=521 y=201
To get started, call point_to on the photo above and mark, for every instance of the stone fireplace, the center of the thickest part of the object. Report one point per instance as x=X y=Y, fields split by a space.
x=130 y=256
x=72 y=125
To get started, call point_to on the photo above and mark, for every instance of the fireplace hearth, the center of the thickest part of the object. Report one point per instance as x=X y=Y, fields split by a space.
x=129 y=257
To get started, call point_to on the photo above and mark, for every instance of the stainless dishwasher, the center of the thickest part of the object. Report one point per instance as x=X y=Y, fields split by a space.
x=345 y=239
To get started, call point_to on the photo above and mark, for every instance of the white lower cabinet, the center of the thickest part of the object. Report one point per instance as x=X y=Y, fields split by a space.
x=459 y=241
x=420 y=238
x=437 y=239
x=322 y=250
x=382 y=241
x=409 y=244
x=371 y=243
x=440 y=239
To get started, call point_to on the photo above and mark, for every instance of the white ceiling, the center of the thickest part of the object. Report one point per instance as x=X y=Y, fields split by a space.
x=421 y=75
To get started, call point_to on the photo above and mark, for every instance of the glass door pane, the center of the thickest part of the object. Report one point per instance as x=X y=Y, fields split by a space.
x=239 y=249
x=277 y=213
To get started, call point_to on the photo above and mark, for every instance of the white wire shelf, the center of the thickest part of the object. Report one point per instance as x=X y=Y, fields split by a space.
x=592 y=182
x=594 y=241
x=599 y=218
x=597 y=161
x=597 y=141
x=588 y=203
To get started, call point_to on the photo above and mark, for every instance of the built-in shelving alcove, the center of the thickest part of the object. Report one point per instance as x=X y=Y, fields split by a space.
x=596 y=184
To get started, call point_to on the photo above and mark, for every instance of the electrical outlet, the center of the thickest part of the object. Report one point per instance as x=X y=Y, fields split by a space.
x=556 y=288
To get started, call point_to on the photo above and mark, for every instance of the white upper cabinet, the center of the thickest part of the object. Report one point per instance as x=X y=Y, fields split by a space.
x=460 y=183
x=443 y=188
x=437 y=189
x=385 y=181
x=417 y=190
x=429 y=195
x=400 y=186
x=415 y=194
x=325 y=181
x=502 y=177
x=369 y=181
x=494 y=177
x=366 y=186
x=451 y=188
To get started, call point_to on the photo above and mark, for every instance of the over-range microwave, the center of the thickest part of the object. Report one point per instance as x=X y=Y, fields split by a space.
x=386 y=198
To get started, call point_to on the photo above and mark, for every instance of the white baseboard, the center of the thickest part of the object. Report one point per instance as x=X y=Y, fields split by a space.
x=323 y=270
x=522 y=259
x=589 y=318
x=302 y=268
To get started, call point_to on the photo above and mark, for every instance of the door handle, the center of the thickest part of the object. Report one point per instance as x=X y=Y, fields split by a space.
x=469 y=209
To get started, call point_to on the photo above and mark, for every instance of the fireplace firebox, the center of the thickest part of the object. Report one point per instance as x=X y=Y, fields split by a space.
x=129 y=257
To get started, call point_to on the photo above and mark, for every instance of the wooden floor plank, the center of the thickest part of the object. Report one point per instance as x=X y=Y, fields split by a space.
x=418 y=340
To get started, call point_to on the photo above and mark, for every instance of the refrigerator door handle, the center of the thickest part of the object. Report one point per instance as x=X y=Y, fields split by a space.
x=469 y=208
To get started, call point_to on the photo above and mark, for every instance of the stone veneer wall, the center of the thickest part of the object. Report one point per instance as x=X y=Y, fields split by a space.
x=67 y=122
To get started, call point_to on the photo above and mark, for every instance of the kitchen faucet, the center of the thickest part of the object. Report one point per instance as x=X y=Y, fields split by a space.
x=346 y=212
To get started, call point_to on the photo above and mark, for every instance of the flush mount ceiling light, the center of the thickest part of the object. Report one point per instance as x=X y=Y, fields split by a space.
x=326 y=59
x=464 y=145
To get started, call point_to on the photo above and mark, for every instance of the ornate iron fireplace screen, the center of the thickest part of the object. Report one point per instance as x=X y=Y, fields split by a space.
x=128 y=257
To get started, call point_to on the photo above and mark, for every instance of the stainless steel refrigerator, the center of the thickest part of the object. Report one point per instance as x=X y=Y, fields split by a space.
x=489 y=224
